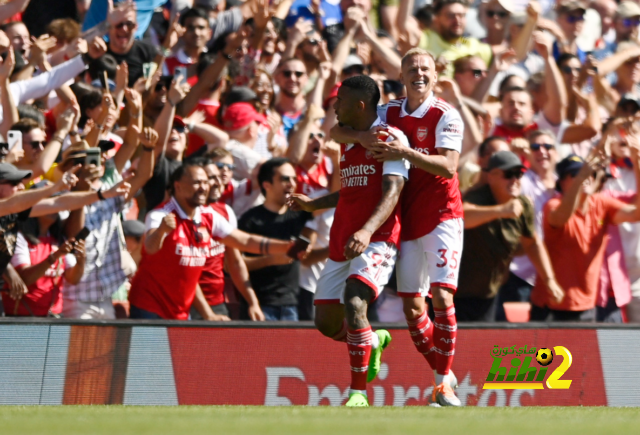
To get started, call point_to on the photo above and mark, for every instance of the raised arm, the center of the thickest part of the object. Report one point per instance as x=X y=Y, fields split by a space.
x=555 y=107
x=144 y=172
x=27 y=199
x=299 y=137
x=256 y=244
x=523 y=41
x=389 y=57
x=164 y=122
x=205 y=82
x=11 y=8
x=9 y=110
x=76 y=200
x=131 y=136
x=212 y=135
x=391 y=188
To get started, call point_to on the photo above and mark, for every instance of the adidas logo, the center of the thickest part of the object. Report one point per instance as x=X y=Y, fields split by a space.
x=451 y=276
x=342 y=158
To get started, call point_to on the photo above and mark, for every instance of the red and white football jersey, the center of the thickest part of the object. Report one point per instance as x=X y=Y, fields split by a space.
x=165 y=283
x=212 y=278
x=176 y=60
x=427 y=199
x=316 y=180
x=360 y=193
x=241 y=195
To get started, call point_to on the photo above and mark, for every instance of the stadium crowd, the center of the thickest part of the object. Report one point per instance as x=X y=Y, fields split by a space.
x=151 y=147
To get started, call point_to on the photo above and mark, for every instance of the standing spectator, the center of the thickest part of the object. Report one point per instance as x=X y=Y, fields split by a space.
x=43 y=259
x=177 y=245
x=242 y=122
x=446 y=39
x=571 y=22
x=276 y=277
x=538 y=185
x=291 y=77
x=125 y=48
x=575 y=225
x=497 y=220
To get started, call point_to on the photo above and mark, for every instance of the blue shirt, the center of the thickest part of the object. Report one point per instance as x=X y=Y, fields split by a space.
x=97 y=13
x=300 y=8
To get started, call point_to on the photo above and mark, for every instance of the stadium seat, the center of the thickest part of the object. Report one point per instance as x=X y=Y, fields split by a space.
x=517 y=312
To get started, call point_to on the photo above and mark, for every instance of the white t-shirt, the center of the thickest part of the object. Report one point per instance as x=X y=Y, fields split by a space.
x=245 y=159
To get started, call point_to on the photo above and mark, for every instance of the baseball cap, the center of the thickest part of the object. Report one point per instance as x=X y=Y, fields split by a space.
x=133 y=228
x=629 y=98
x=504 y=160
x=239 y=115
x=571 y=5
x=352 y=60
x=10 y=173
x=570 y=165
x=506 y=4
x=628 y=9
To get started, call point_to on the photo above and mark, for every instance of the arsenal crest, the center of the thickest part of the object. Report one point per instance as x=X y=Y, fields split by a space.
x=368 y=154
x=422 y=133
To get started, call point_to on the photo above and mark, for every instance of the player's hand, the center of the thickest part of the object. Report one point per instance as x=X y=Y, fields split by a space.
x=556 y=292
x=255 y=313
x=17 y=287
x=78 y=250
x=298 y=201
x=280 y=260
x=218 y=318
x=388 y=150
x=512 y=209
x=168 y=223
x=357 y=244
x=370 y=137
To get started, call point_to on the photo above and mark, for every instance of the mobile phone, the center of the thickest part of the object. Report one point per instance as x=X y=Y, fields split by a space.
x=180 y=71
x=15 y=139
x=301 y=244
x=149 y=69
x=93 y=157
x=82 y=235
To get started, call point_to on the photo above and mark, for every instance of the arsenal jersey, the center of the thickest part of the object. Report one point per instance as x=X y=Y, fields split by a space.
x=427 y=199
x=361 y=191
x=165 y=282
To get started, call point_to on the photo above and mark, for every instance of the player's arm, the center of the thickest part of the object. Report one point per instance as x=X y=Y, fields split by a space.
x=391 y=187
x=345 y=134
x=239 y=273
x=477 y=215
x=298 y=201
x=159 y=229
x=202 y=306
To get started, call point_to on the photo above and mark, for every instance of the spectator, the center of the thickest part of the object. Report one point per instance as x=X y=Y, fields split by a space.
x=570 y=22
x=276 y=278
x=213 y=280
x=43 y=259
x=291 y=77
x=177 y=244
x=241 y=122
x=498 y=219
x=446 y=38
x=125 y=48
x=624 y=26
x=575 y=225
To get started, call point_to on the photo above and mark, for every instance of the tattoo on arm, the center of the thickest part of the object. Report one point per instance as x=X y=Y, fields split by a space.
x=327 y=201
x=391 y=187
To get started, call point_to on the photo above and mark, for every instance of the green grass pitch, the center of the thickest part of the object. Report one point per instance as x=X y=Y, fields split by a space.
x=120 y=420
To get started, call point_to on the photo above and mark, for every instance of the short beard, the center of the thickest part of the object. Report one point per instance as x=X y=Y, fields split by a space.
x=290 y=94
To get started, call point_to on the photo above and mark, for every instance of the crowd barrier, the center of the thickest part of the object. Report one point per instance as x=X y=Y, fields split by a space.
x=53 y=362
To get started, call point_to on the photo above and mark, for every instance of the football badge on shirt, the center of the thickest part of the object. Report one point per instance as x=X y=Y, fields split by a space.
x=422 y=133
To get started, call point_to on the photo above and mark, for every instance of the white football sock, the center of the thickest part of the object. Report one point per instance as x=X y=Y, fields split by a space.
x=375 y=340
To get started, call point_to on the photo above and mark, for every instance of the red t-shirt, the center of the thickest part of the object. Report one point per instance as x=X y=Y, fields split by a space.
x=361 y=178
x=212 y=278
x=315 y=180
x=165 y=283
x=576 y=251
x=44 y=294
x=427 y=199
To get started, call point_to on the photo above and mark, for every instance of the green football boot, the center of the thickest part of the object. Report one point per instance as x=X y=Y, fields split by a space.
x=376 y=354
x=357 y=400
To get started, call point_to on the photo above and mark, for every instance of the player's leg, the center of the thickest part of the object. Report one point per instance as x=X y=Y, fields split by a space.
x=328 y=300
x=412 y=279
x=357 y=297
x=443 y=248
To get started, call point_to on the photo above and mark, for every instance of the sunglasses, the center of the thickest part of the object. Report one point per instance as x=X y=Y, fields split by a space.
x=228 y=166
x=569 y=69
x=319 y=135
x=499 y=14
x=631 y=22
x=572 y=19
x=537 y=146
x=288 y=74
x=313 y=41
x=37 y=143
x=477 y=73
x=160 y=86
x=512 y=173
x=129 y=24
x=179 y=128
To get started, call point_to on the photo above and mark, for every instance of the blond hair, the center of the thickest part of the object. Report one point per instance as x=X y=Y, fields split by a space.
x=416 y=51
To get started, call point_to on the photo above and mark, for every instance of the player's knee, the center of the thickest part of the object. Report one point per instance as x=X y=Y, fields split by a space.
x=442 y=297
x=413 y=307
